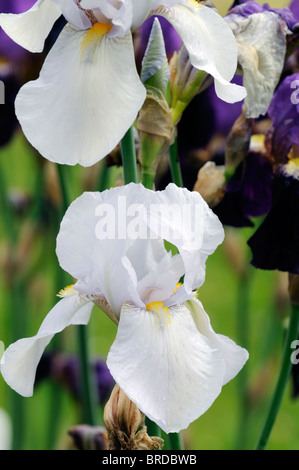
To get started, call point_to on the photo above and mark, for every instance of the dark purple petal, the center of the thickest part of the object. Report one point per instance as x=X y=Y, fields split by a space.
x=284 y=112
x=225 y=114
x=16 y=6
x=275 y=245
x=104 y=380
x=248 y=192
x=230 y=212
x=256 y=192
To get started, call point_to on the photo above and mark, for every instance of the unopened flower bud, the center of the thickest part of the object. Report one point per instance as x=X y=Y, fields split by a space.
x=186 y=82
x=211 y=183
x=155 y=127
x=125 y=425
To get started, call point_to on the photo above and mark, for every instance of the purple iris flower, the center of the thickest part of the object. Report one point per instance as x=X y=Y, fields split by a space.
x=246 y=8
x=284 y=112
x=275 y=245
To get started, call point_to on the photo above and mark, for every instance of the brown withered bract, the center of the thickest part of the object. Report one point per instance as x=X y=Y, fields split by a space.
x=294 y=288
x=211 y=183
x=125 y=425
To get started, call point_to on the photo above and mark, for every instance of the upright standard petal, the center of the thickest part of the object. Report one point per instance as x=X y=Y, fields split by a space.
x=20 y=359
x=75 y=15
x=184 y=219
x=95 y=229
x=210 y=43
x=30 y=29
x=87 y=96
x=164 y=365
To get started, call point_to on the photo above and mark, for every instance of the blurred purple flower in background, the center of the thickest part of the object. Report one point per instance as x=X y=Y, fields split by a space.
x=64 y=370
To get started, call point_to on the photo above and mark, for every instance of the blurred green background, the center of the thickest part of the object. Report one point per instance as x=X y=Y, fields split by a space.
x=250 y=306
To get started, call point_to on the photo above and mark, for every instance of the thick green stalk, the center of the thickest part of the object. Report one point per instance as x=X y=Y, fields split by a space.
x=175 y=441
x=243 y=310
x=282 y=381
x=148 y=178
x=87 y=385
x=104 y=177
x=6 y=212
x=175 y=165
x=129 y=157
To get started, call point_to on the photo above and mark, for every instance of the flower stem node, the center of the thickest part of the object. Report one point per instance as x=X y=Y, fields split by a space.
x=125 y=425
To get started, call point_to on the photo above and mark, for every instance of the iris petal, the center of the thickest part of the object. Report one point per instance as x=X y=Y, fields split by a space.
x=87 y=96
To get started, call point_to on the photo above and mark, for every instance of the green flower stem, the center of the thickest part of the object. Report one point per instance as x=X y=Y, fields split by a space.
x=104 y=177
x=87 y=384
x=6 y=212
x=243 y=310
x=152 y=428
x=148 y=178
x=175 y=441
x=175 y=165
x=282 y=381
x=129 y=157
x=89 y=408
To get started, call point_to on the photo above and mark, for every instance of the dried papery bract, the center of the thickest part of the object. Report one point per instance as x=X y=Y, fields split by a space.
x=125 y=425
x=238 y=144
x=210 y=183
x=294 y=288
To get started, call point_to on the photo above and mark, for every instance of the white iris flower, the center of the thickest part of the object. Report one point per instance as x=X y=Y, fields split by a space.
x=89 y=93
x=166 y=357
